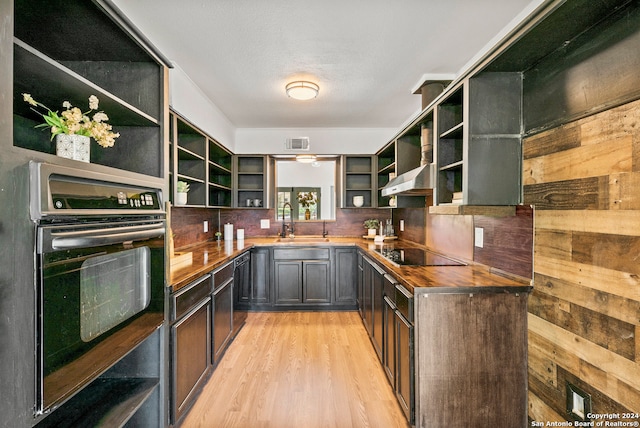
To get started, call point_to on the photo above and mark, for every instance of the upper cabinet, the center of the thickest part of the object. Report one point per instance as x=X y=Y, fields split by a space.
x=85 y=49
x=478 y=145
x=401 y=155
x=251 y=181
x=359 y=181
x=201 y=162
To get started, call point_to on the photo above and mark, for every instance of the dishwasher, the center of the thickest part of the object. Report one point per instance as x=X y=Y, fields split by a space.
x=241 y=290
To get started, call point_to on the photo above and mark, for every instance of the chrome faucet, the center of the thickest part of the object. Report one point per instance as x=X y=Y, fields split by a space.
x=287 y=227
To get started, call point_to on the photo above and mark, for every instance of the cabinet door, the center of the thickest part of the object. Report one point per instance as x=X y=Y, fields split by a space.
x=404 y=366
x=191 y=355
x=377 y=301
x=260 y=275
x=288 y=282
x=316 y=281
x=346 y=271
x=222 y=319
x=360 y=279
x=367 y=296
x=389 y=340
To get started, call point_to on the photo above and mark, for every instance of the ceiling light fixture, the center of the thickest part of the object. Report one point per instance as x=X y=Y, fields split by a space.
x=302 y=90
x=306 y=158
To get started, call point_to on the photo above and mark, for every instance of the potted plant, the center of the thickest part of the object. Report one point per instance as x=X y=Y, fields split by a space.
x=72 y=128
x=306 y=199
x=182 y=190
x=372 y=226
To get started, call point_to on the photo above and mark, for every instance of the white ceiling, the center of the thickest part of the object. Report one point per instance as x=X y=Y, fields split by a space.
x=366 y=55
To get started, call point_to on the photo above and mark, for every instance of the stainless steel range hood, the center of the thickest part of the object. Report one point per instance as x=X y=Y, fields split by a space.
x=418 y=181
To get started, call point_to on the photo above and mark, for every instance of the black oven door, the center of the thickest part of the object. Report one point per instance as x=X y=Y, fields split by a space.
x=94 y=279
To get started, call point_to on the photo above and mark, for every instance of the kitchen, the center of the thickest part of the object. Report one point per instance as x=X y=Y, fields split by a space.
x=578 y=113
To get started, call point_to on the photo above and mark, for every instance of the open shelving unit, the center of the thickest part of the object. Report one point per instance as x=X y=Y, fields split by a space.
x=450 y=147
x=359 y=180
x=250 y=180
x=478 y=146
x=200 y=161
x=111 y=64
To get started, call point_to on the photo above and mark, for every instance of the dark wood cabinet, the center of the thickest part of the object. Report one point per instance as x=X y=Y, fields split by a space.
x=404 y=375
x=116 y=64
x=302 y=276
x=190 y=344
x=346 y=271
x=250 y=181
x=200 y=161
x=360 y=285
x=260 y=276
x=316 y=281
x=288 y=282
x=470 y=358
x=302 y=282
x=372 y=302
x=222 y=300
x=359 y=178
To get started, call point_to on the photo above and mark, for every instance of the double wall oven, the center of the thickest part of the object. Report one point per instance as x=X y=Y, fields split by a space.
x=100 y=273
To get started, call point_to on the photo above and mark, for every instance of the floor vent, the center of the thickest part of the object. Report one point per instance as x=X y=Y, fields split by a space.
x=301 y=143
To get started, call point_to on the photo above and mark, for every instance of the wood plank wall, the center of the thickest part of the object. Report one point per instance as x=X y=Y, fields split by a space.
x=584 y=313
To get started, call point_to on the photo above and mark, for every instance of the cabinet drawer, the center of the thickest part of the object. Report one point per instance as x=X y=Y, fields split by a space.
x=189 y=296
x=223 y=274
x=301 y=253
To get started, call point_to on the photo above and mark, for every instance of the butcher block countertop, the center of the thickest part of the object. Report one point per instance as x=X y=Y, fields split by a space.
x=473 y=278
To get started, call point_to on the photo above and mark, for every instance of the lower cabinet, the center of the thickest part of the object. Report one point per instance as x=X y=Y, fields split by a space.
x=346 y=270
x=372 y=302
x=404 y=375
x=260 y=276
x=190 y=342
x=471 y=358
x=302 y=276
x=222 y=310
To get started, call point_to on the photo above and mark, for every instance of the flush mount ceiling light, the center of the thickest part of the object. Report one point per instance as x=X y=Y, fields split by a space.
x=302 y=90
x=306 y=158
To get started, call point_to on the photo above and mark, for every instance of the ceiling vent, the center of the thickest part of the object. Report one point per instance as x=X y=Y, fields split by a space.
x=301 y=143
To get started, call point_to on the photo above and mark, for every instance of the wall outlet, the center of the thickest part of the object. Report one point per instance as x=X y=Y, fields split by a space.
x=264 y=224
x=206 y=226
x=401 y=225
x=479 y=237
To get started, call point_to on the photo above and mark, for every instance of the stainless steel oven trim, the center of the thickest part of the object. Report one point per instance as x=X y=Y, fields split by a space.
x=51 y=238
x=41 y=204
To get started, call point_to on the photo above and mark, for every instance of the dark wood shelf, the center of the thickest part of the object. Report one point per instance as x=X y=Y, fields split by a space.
x=109 y=402
x=92 y=364
x=51 y=83
x=454 y=132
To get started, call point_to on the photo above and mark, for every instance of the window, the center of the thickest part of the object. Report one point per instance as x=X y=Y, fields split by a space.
x=293 y=196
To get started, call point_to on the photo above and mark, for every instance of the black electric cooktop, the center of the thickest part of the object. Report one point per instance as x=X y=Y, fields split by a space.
x=416 y=257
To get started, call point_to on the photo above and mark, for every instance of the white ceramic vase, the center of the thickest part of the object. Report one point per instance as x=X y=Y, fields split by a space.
x=181 y=198
x=75 y=147
x=358 y=201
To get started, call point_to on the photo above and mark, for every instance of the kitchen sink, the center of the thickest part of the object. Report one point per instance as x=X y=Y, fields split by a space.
x=302 y=239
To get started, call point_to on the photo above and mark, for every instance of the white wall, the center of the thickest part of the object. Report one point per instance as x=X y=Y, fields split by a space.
x=188 y=100
x=321 y=140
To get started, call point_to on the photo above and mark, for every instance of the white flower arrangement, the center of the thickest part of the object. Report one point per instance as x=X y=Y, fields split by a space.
x=72 y=121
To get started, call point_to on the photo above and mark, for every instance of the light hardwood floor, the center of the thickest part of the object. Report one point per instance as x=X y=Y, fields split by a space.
x=302 y=370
